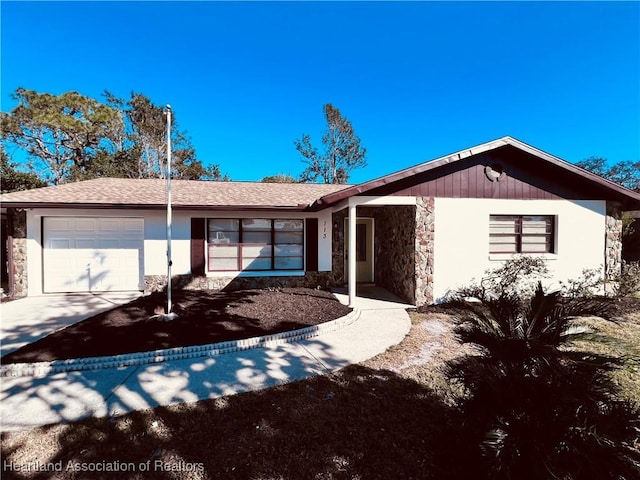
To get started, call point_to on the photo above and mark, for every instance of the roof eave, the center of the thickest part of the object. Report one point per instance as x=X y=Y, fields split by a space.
x=128 y=206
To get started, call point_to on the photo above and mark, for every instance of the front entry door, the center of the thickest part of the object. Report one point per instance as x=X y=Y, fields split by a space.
x=364 y=249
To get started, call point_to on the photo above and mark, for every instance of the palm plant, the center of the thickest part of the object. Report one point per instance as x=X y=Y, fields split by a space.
x=535 y=408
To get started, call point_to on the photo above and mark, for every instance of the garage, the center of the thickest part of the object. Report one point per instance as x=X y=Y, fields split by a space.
x=88 y=254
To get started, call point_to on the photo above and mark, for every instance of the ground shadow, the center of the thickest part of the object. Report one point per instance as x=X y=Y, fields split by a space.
x=356 y=423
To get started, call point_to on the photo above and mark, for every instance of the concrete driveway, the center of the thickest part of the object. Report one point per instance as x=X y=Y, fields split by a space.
x=31 y=401
x=31 y=318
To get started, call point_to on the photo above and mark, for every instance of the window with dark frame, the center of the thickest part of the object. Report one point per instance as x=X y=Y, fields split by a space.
x=533 y=234
x=255 y=244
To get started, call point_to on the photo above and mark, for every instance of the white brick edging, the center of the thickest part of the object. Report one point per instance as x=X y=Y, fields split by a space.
x=177 y=353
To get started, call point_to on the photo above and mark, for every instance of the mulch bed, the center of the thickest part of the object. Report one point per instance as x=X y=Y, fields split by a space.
x=203 y=317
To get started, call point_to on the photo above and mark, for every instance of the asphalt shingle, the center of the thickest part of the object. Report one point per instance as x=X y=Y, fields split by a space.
x=185 y=193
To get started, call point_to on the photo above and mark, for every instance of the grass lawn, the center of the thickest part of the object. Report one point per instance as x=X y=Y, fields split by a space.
x=392 y=417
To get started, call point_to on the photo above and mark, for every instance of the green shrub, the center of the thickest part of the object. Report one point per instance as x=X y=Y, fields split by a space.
x=590 y=283
x=628 y=281
x=517 y=275
x=535 y=409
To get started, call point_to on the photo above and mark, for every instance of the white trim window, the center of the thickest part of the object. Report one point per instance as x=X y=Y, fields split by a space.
x=255 y=244
x=533 y=234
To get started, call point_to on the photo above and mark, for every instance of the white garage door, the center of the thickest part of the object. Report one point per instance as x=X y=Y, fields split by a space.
x=85 y=254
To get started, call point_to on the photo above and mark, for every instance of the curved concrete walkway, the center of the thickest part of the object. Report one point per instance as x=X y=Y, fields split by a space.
x=27 y=402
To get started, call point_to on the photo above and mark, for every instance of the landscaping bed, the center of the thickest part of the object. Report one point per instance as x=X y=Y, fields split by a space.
x=393 y=416
x=203 y=317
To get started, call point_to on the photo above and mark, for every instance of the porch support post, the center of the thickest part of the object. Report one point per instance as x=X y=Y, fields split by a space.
x=351 y=252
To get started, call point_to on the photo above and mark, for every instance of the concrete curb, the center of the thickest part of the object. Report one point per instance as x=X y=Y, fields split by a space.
x=177 y=353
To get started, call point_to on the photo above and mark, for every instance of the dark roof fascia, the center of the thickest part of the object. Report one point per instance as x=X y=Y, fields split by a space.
x=137 y=206
x=363 y=188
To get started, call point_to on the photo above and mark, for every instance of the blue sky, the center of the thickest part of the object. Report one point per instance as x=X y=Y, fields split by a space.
x=417 y=80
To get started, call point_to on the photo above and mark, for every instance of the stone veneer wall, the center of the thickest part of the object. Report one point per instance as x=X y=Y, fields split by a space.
x=613 y=245
x=19 y=251
x=424 y=250
x=394 y=243
x=154 y=283
x=337 y=247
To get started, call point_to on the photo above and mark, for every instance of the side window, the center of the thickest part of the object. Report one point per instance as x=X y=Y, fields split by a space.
x=521 y=233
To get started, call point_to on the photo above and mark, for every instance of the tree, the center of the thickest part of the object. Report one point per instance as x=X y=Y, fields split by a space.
x=280 y=178
x=144 y=141
x=73 y=137
x=625 y=173
x=342 y=151
x=60 y=132
x=13 y=180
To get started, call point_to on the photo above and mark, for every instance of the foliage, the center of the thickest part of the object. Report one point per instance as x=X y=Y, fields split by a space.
x=587 y=285
x=628 y=221
x=280 y=178
x=517 y=274
x=62 y=132
x=624 y=283
x=13 y=180
x=627 y=282
x=536 y=409
x=625 y=173
x=74 y=137
x=342 y=151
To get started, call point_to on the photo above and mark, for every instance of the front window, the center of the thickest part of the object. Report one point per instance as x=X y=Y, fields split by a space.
x=521 y=234
x=255 y=244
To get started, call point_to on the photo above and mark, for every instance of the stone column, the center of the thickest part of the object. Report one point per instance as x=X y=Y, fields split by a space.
x=18 y=234
x=424 y=243
x=613 y=246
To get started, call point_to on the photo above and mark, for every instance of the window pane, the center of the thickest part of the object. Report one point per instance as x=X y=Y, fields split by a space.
x=536 y=244
x=535 y=248
x=223 y=251
x=223 y=230
x=224 y=237
x=503 y=224
x=254 y=251
x=223 y=264
x=289 y=263
x=225 y=224
x=504 y=244
x=256 y=224
x=256 y=237
x=255 y=257
x=536 y=225
x=289 y=237
x=256 y=263
x=288 y=225
x=288 y=250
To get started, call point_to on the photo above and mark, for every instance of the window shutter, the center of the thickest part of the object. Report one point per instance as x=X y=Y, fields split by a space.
x=197 y=246
x=312 y=245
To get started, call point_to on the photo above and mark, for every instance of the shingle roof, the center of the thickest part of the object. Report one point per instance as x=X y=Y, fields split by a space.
x=151 y=193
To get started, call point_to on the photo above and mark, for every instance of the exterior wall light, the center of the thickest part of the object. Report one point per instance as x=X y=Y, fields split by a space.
x=494 y=172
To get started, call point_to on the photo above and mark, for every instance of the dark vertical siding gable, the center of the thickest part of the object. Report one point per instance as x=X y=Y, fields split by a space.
x=525 y=177
x=198 y=237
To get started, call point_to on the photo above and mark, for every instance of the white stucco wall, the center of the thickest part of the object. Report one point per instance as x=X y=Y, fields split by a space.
x=155 y=245
x=461 y=243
